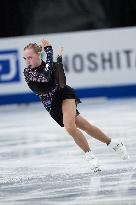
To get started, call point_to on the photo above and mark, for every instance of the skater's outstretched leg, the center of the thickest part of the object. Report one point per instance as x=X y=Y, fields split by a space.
x=95 y=132
x=92 y=130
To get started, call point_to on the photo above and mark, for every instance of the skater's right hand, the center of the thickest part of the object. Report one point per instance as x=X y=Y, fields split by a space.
x=45 y=43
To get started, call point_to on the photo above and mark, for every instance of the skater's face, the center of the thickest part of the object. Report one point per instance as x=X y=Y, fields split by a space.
x=32 y=59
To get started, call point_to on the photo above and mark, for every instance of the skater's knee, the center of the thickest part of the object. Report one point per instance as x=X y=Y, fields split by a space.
x=70 y=128
x=87 y=127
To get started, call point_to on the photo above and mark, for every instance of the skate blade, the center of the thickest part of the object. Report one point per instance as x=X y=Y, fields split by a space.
x=126 y=157
x=96 y=170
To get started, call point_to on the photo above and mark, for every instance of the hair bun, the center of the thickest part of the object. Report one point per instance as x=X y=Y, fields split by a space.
x=40 y=48
x=37 y=48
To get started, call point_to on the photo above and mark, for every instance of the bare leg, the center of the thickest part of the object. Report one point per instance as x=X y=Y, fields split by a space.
x=69 y=113
x=92 y=130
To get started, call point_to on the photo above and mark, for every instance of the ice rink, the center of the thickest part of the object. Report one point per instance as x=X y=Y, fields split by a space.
x=41 y=165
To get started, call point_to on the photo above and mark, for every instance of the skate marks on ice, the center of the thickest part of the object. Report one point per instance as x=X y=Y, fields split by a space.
x=115 y=186
x=40 y=164
x=23 y=185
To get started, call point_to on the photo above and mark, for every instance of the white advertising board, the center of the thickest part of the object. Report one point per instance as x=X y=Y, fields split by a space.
x=92 y=59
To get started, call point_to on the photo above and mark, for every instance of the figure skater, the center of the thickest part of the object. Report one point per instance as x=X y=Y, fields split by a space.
x=48 y=81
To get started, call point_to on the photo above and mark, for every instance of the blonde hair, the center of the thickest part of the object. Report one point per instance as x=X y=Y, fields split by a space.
x=37 y=48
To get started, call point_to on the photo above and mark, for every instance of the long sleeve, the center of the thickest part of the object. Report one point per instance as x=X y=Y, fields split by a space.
x=32 y=75
x=59 y=74
x=59 y=59
x=49 y=59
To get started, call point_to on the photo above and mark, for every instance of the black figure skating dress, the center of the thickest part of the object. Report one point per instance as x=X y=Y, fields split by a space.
x=48 y=81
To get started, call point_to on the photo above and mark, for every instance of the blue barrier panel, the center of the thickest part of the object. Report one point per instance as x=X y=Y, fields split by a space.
x=109 y=92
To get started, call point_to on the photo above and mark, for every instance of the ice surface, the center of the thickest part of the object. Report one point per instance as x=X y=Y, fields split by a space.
x=41 y=165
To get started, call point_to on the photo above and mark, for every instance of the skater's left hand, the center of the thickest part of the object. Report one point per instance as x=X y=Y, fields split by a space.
x=61 y=50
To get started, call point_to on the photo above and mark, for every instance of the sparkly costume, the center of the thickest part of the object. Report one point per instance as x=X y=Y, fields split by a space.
x=49 y=83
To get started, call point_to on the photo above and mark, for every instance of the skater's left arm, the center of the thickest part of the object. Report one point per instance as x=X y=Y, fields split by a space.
x=60 y=53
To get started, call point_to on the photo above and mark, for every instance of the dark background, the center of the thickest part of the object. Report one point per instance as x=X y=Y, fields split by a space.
x=27 y=17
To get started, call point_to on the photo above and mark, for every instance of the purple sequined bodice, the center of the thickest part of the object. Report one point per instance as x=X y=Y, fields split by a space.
x=40 y=81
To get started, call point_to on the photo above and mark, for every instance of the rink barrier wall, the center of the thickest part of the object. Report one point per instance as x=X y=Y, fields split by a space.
x=99 y=63
x=108 y=92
